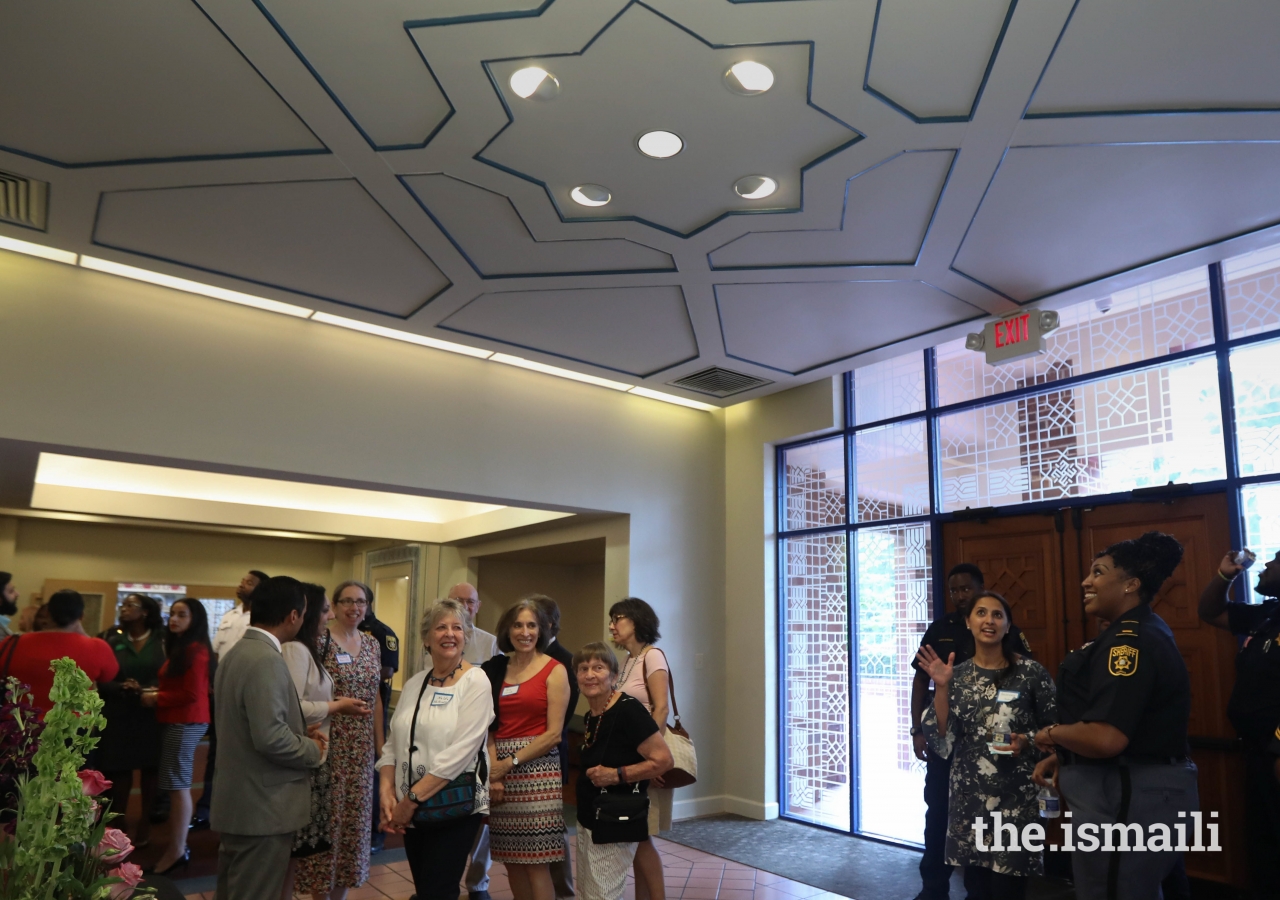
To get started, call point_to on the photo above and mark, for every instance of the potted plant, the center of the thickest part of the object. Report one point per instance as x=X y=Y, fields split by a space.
x=60 y=846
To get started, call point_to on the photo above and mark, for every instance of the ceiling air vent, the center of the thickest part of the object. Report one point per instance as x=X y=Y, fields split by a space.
x=23 y=201
x=719 y=382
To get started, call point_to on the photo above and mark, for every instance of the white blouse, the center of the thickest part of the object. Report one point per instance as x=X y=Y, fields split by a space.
x=453 y=723
x=313 y=684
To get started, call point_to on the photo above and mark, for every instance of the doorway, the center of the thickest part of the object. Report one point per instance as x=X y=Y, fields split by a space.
x=1037 y=562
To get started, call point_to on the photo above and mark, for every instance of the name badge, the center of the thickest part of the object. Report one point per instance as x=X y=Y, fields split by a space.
x=1007 y=696
x=510 y=690
x=441 y=699
x=343 y=658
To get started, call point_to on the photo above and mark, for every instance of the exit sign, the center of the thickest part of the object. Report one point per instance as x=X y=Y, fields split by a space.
x=1015 y=336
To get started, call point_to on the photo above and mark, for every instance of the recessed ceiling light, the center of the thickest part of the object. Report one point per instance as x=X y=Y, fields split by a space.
x=749 y=77
x=755 y=187
x=660 y=144
x=590 y=195
x=534 y=82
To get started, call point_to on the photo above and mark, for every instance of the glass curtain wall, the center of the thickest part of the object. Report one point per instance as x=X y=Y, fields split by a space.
x=1168 y=382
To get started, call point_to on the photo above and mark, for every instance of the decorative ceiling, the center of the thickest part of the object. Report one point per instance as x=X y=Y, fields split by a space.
x=932 y=162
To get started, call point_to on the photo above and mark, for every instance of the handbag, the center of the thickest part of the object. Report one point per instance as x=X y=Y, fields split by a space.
x=457 y=799
x=685 y=770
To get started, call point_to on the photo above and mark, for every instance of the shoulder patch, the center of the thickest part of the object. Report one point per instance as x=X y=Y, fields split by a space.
x=1278 y=733
x=1026 y=644
x=392 y=643
x=1123 y=660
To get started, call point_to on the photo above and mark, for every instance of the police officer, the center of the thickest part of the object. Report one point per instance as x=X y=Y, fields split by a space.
x=1254 y=709
x=1124 y=701
x=948 y=634
x=390 y=646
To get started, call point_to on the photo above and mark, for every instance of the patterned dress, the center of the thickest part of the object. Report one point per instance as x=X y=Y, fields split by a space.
x=983 y=784
x=527 y=827
x=350 y=765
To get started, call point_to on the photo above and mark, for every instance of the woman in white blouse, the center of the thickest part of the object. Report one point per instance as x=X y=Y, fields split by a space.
x=315 y=696
x=442 y=721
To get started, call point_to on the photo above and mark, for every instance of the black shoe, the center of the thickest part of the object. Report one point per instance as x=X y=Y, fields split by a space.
x=180 y=863
x=478 y=895
x=199 y=822
x=378 y=843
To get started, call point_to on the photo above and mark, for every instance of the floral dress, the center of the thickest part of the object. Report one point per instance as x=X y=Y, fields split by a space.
x=350 y=764
x=983 y=784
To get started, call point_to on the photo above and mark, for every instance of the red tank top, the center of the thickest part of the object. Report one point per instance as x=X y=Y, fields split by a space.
x=522 y=708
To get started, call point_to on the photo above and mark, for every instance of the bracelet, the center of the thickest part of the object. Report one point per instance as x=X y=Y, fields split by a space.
x=1048 y=732
x=1224 y=577
x=622 y=775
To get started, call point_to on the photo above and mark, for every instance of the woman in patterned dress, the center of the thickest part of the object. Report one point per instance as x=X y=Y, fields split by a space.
x=354 y=662
x=526 y=815
x=996 y=693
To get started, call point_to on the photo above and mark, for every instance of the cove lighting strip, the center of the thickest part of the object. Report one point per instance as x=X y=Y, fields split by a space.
x=302 y=312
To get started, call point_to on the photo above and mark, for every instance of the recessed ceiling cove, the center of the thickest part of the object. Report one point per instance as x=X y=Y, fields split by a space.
x=645 y=72
x=1055 y=217
x=1162 y=55
x=489 y=232
x=638 y=331
x=887 y=210
x=325 y=239
x=930 y=58
x=793 y=328
x=92 y=83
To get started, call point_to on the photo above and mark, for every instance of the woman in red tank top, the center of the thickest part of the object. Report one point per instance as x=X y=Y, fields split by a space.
x=526 y=817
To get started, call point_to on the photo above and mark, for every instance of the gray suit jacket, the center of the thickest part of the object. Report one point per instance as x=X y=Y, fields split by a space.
x=264 y=755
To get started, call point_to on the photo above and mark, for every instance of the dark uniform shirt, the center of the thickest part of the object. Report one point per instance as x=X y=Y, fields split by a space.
x=1254 y=709
x=950 y=634
x=1134 y=678
x=390 y=647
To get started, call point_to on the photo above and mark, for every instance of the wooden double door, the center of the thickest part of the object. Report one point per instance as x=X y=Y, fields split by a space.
x=1037 y=563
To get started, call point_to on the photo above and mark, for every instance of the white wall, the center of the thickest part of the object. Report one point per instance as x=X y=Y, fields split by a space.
x=98 y=362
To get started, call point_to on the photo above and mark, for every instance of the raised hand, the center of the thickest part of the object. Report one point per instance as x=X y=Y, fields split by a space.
x=1229 y=567
x=938 y=670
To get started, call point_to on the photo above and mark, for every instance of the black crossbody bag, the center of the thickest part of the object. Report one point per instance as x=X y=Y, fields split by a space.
x=620 y=818
x=457 y=799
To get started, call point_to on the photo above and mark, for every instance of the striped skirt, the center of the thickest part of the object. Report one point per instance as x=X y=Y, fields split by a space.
x=178 y=754
x=527 y=827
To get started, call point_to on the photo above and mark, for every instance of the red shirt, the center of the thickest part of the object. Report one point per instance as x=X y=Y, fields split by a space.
x=522 y=708
x=184 y=699
x=35 y=651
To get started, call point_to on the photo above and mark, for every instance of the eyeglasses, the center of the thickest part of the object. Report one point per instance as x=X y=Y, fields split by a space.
x=349 y=602
x=614 y=620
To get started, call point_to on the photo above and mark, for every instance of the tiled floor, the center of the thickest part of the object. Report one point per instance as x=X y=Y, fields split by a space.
x=690 y=875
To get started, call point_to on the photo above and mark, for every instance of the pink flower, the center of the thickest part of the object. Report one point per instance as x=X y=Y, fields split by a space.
x=130 y=877
x=93 y=782
x=115 y=845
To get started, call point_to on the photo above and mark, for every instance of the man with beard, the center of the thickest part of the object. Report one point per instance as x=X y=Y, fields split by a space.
x=1254 y=709
x=231 y=629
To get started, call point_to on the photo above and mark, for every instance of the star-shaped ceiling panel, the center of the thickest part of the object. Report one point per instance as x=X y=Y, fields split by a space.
x=646 y=73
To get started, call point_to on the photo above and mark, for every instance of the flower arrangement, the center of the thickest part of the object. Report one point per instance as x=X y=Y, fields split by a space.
x=20 y=727
x=62 y=847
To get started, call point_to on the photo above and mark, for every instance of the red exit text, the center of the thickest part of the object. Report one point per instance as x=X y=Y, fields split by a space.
x=1013 y=331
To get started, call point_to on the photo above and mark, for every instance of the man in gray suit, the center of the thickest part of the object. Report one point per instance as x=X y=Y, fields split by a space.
x=261 y=792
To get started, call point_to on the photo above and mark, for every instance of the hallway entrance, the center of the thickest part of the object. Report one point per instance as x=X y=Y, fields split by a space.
x=1037 y=562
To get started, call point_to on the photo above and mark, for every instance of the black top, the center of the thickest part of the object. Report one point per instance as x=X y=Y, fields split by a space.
x=557 y=652
x=389 y=644
x=949 y=635
x=616 y=739
x=1134 y=678
x=1254 y=709
x=496 y=668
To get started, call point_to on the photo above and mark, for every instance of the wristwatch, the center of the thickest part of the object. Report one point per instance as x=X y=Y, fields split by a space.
x=916 y=729
x=412 y=796
x=515 y=760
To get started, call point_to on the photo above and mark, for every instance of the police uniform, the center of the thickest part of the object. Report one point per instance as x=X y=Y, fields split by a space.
x=1254 y=710
x=1134 y=678
x=946 y=635
x=389 y=644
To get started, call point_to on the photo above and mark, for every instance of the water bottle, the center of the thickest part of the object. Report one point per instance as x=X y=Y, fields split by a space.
x=1050 y=808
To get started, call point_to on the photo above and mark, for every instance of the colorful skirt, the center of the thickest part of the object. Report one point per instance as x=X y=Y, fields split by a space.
x=527 y=827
